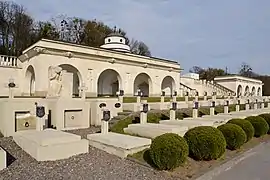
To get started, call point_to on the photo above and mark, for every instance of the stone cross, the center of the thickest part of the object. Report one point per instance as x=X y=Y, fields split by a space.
x=82 y=90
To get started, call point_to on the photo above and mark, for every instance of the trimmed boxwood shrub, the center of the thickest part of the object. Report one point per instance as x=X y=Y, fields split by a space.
x=235 y=136
x=205 y=143
x=266 y=117
x=260 y=125
x=168 y=151
x=245 y=125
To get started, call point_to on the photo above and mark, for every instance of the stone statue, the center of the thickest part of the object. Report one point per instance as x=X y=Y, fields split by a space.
x=55 y=85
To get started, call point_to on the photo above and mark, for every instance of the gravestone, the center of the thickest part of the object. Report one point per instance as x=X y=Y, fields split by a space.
x=144 y=109
x=172 y=110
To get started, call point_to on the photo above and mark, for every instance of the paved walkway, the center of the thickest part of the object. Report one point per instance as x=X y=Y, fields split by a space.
x=254 y=165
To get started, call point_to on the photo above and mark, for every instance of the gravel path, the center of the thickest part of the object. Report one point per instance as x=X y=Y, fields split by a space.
x=94 y=165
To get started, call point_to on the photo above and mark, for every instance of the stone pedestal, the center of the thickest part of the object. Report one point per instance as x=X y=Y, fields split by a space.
x=226 y=109
x=104 y=127
x=120 y=99
x=172 y=115
x=186 y=99
x=255 y=106
x=143 y=118
x=174 y=98
x=40 y=124
x=10 y=93
x=162 y=99
x=247 y=107
x=195 y=113
x=237 y=108
x=212 y=111
x=138 y=99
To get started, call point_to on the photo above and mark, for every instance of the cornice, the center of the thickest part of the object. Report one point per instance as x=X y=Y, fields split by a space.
x=112 y=60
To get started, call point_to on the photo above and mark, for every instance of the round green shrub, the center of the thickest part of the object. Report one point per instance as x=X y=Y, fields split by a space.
x=266 y=117
x=205 y=143
x=260 y=125
x=235 y=136
x=168 y=151
x=245 y=125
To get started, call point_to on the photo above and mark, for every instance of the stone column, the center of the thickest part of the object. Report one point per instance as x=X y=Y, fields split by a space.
x=144 y=109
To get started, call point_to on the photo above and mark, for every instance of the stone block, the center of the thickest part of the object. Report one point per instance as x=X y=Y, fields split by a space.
x=150 y=130
x=50 y=144
x=187 y=123
x=118 y=144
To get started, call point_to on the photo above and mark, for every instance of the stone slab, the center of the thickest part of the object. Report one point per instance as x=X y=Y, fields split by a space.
x=3 y=159
x=50 y=144
x=187 y=123
x=118 y=144
x=151 y=130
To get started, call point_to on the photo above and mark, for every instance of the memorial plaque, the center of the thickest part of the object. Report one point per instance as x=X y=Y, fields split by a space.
x=163 y=93
x=117 y=105
x=213 y=103
x=40 y=111
x=102 y=105
x=196 y=105
x=24 y=121
x=106 y=115
x=197 y=93
x=145 y=108
x=186 y=93
x=174 y=106
x=175 y=93
x=73 y=118
x=227 y=103
x=238 y=102
x=121 y=93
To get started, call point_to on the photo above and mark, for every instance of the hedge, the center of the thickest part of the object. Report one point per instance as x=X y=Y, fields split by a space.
x=266 y=117
x=235 y=136
x=168 y=151
x=260 y=125
x=245 y=125
x=205 y=143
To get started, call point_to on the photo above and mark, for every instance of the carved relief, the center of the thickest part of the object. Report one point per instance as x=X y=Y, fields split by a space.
x=55 y=78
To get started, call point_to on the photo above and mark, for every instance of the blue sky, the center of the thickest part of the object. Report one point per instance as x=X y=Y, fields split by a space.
x=207 y=33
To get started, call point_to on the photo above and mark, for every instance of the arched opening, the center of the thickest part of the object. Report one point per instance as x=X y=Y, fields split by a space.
x=253 y=91
x=109 y=83
x=239 y=90
x=143 y=83
x=247 y=91
x=30 y=81
x=259 y=92
x=168 y=85
x=76 y=77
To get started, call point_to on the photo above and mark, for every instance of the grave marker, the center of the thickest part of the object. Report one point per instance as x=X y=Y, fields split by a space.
x=144 y=110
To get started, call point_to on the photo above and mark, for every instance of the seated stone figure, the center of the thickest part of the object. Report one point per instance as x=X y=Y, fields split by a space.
x=55 y=77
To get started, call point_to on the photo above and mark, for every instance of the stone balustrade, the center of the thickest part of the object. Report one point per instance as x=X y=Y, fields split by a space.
x=8 y=61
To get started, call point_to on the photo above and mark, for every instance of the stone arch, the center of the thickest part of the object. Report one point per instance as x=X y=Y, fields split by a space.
x=239 y=90
x=168 y=85
x=253 y=91
x=109 y=83
x=77 y=78
x=30 y=80
x=259 y=92
x=247 y=91
x=143 y=83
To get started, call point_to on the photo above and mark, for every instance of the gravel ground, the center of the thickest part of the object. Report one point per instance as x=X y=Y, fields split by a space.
x=94 y=165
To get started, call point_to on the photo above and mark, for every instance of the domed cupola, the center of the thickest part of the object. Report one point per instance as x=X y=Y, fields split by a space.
x=116 y=41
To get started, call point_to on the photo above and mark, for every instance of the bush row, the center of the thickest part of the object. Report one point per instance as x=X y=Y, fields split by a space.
x=169 y=151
